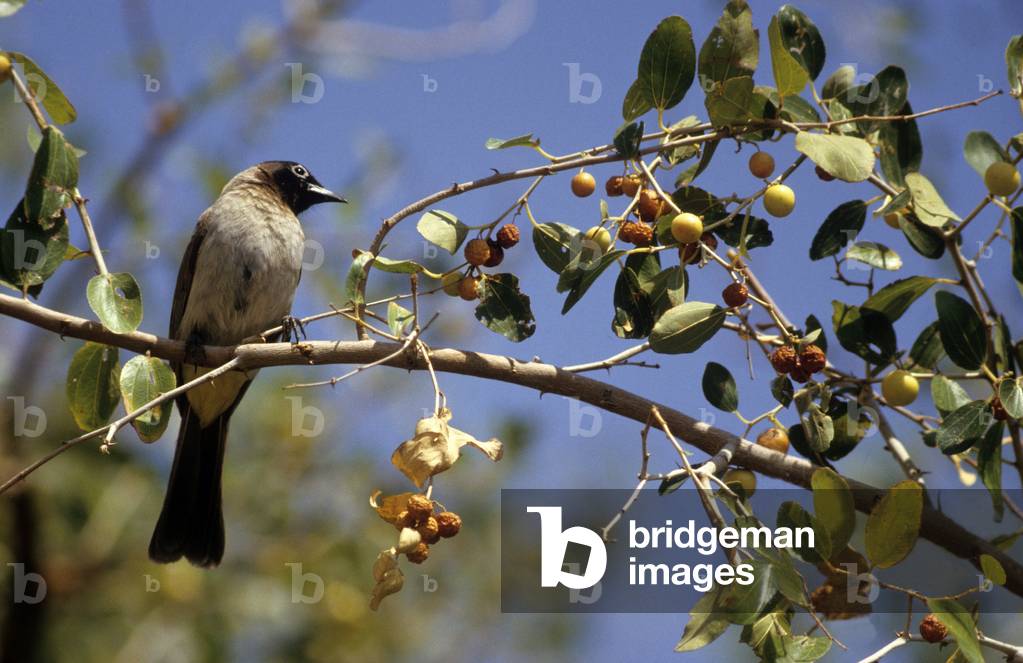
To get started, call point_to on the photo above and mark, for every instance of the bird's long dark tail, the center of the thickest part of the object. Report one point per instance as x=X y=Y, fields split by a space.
x=191 y=523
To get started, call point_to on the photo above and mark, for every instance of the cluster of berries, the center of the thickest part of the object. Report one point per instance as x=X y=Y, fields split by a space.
x=801 y=365
x=419 y=516
x=480 y=252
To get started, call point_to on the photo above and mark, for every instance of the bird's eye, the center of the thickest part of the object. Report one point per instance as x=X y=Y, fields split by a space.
x=299 y=171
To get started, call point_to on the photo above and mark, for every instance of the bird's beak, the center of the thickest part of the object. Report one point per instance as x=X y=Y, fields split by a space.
x=319 y=194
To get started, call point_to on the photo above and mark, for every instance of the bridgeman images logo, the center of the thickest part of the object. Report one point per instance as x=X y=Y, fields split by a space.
x=705 y=540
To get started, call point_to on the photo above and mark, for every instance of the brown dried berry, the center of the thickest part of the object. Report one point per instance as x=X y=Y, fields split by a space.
x=418 y=554
x=613 y=186
x=812 y=358
x=496 y=254
x=649 y=205
x=477 y=252
x=823 y=174
x=631 y=184
x=784 y=359
x=404 y=520
x=800 y=373
x=429 y=530
x=508 y=235
x=448 y=524
x=735 y=294
x=642 y=234
x=419 y=507
x=933 y=630
x=998 y=410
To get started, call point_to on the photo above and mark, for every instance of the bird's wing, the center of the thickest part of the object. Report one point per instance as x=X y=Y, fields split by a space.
x=186 y=273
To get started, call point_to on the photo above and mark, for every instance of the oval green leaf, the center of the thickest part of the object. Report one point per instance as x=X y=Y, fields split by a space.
x=443 y=229
x=833 y=506
x=874 y=254
x=846 y=157
x=116 y=300
x=841 y=226
x=142 y=380
x=685 y=328
x=667 y=64
x=92 y=385
x=962 y=333
x=894 y=524
x=719 y=387
x=504 y=309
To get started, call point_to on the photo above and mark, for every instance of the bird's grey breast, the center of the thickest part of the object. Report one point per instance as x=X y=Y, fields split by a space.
x=247 y=269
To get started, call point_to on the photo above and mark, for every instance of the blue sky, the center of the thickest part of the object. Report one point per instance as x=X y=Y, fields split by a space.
x=436 y=115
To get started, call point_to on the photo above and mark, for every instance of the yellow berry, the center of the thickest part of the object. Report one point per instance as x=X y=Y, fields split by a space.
x=899 y=388
x=744 y=478
x=761 y=165
x=779 y=200
x=1001 y=179
x=892 y=219
x=599 y=236
x=5 y=68
x=686 y=228
x=774 y=438
x=450 y=283
x=583 y=184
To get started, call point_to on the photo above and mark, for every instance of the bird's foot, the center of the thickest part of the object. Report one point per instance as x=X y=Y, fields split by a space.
x=291 y=327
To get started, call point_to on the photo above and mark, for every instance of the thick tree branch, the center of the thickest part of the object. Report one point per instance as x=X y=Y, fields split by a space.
x=545 y=378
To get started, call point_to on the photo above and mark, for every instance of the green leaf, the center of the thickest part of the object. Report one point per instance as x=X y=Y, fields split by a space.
x=839 y=83
x=525 y=140
x=719 y=387
x=667 y=64
x=782 y=389
x=927 y=202
x=947 y=395
x=981 y=150
x=960 y=626
x=992 y=569
x=92 y=385
x=895 y=298
x=581 y=273
x=116 y=300
x=52 y=180
x=989 y=467
x=627 y=140
x=925 y=240
x=894 y=524
x=10 y=7
x=927 y=349
x=30 y=254
x=874 y=254
x=896 y=204
x=504 y=309
x=800 y=648
x=1014 y=64
x=864 y=332
x=757 y=232
x=397 y=266
x=833 y=507
x=732 y=48
x=900 y=148
x=634 y=306
x=705 y=624
x=742 y=604
x=398 y=318
x=846 y=157
x=790 y=77
x=356 y=274
x=839 y=228
x=706 y=154
x=685 y=328
x=1010 y=393
x=802 y=39
x=962 y=429
x=637 y=101
x=554 y=244
x=962 y=333
x=669 y=288
x=45 y=90
x=819 y=428
x=791 y=515
x=142 y=380
x=733 y=102
x=443 y=229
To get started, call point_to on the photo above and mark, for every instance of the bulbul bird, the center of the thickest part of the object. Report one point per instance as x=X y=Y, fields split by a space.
x=237 y=279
